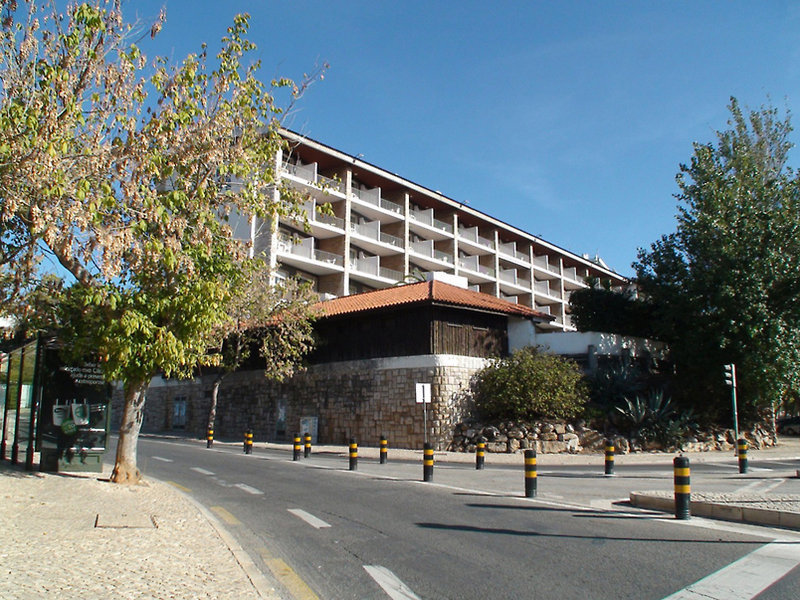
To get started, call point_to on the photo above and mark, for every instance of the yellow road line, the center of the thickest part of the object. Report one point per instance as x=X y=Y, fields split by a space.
x=298 y=588
x=225 y=515
x=179 y=486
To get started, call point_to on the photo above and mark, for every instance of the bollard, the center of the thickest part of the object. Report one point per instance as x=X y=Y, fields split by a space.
x=353 y=454
x=480 y=451
x=248 y=441
x=209 y=437
x=307 y=447
x=296 y=447
x=610 y=457
x=427 y=462
x=384 y=450
x=530 y=473
x=742 y=455
x=682 y=487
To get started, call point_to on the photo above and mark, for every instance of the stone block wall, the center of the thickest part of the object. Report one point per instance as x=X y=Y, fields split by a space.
x=363 y=399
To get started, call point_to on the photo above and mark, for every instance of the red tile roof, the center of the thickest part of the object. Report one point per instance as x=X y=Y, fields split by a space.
x=420 y=293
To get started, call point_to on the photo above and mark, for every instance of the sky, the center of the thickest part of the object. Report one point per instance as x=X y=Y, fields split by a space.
x=568 y=120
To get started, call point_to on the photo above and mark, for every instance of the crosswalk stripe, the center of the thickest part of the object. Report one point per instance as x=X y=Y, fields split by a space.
x=201 y=471
x=248 y=489
x=309 y=518
x=162 y=459
x=394 y=588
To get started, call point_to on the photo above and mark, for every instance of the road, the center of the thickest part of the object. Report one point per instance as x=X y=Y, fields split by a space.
x=380 y=532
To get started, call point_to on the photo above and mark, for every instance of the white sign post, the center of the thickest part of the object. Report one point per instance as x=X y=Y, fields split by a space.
x=424 y=398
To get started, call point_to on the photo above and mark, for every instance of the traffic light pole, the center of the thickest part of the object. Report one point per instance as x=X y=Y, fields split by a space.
x=730 y=379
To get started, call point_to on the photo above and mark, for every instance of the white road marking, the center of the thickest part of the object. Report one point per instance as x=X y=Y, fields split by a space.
x=750 y=469
x=201 y=471
x=394 y=588
x=162 y=459
x=762 y=485
x=248 y=489
x=309 y=518
x=747 y=577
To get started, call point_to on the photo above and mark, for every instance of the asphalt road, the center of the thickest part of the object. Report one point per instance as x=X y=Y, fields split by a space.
x=381 y=532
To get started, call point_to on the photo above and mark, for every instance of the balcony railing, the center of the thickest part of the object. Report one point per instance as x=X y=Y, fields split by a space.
x=471 y=264
x=426 y=218
x=372 y=267
x=314 y=215
x=510 y=276
x=511 y=250
x=471 y=234
x=306 y=249
x=373 y=232
x=426 y=248
x=373 y=196
x=309 y=174
x=542 y=288
x=542 y=263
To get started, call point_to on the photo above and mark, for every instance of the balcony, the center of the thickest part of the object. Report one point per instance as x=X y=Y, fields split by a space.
x=307 y=175
x=470 y=240
x=571 y=279
x=322 y=225
x=423 y=223
x=475 y=271
x=509 y=251
x=371 y=238
x=302 y=254
x=370 y=271
x=372 y=205
x=512 y=299
x=509 y=278
x=544 y=269
x=544 y=293
x=429 y=257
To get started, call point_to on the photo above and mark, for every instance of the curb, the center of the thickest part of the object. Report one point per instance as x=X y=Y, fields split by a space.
x=721 y=511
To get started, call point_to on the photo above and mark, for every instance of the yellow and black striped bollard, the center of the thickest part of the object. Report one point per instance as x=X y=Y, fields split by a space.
x=307 y=447
x=209 y=437
x=296 y=447
x=248 y=441
x=610 y=457
x=530 y=473
x=480 y=452
x=353 y=454
x=682 y=487
x=384 y=450
x=742 y=455
x=427 y=462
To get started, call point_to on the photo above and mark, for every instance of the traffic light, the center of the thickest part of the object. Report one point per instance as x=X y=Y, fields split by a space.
x=730 y=374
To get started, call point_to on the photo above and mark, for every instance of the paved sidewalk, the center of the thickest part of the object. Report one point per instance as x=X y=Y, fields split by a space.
x=77 y=536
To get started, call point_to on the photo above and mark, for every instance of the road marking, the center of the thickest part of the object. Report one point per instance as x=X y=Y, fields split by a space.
x=179 y=486
x=309 y=518
x=394 y=588
x=762 y=485
x=298 y=588
x=201 y=471
x=226 y=515
x=162 y=459
x=248 y=489
x=750 y=469
x=747 y=577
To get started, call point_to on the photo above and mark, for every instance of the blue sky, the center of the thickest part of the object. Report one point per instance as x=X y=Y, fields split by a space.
x=565 y=119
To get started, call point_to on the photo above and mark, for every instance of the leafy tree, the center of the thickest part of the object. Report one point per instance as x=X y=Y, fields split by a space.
x=530 y=384
x=598 y=308
x=725 y=284
x=125 y=176
x=277 y=319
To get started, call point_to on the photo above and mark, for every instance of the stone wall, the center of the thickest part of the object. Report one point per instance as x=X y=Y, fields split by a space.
x=363 y=399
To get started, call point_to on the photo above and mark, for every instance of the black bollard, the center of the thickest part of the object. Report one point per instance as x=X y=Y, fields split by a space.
x=307 y=447
x=682 y=488
x=427 y=462
x=610 y=457
x=248 y=441
x=353 y=454
x=384 y=450
x=296 y=447
x=530 y=473
x=742 y=455
x=480 y=451
x=209 y=437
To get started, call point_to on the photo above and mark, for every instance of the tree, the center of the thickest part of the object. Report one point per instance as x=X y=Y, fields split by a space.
x=598 y=308
x=125 y=175
x=725 y=284
x=275 y=318
x=530 y=384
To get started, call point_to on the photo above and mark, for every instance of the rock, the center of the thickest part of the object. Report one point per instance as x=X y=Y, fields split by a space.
x=516 y=434
x=546 y=428
x=553 y=447
x=570 y=428
x=621 y=445
x=513 y=445
x=500 y=447
x=548 y=437
x=525 y=444
x=560 y=428
x=490 y=433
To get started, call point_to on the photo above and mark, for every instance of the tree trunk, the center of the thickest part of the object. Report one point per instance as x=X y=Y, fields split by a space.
x=212 y=412
x=125 y=469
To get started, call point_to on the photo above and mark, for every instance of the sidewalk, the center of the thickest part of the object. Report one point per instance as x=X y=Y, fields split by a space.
x=78 y=536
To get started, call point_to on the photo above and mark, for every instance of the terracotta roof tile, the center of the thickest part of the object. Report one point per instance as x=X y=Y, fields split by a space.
x=420 y=293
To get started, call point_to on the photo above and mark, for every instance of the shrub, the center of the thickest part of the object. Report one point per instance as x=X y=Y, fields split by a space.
x=528 y=385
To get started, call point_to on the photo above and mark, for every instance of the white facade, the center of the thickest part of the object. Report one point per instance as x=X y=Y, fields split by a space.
x=384 y=229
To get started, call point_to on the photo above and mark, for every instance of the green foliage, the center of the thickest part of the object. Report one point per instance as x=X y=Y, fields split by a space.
x=652 y=418
x=609 y=311
x=725 y=284
x=530 y=384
